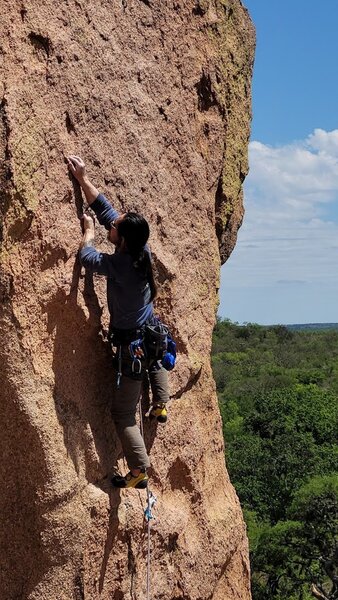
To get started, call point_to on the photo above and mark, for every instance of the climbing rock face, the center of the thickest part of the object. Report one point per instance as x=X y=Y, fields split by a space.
x=155 y=96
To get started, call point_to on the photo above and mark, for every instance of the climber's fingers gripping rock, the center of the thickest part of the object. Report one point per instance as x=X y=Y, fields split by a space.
x=88 y=223
x=76 y=166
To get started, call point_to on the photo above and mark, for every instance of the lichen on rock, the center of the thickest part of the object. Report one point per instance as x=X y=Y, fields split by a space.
x=156 y=98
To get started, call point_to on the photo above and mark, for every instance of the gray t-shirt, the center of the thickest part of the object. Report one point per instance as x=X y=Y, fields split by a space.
x=128 y=291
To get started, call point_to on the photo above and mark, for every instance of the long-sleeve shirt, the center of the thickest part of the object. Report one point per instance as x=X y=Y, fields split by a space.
x=128 y=291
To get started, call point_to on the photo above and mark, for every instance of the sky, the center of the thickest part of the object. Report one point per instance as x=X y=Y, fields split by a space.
x=284 y=268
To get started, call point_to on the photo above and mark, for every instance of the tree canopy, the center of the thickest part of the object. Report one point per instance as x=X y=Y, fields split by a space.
x=278 y=396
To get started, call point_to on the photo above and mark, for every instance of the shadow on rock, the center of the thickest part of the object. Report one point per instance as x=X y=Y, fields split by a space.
x=112 y=532
x=82 y=367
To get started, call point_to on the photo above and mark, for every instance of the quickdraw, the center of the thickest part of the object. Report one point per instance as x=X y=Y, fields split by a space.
x=151 y=501
x=137 y=353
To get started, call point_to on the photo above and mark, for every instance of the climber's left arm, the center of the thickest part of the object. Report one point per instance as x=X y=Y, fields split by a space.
x=89 y=232
x=90 y=258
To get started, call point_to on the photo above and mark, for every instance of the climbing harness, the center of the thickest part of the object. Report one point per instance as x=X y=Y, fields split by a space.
x=151 y=343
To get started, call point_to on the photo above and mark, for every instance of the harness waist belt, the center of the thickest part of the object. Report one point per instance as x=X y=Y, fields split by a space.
x=125 y=336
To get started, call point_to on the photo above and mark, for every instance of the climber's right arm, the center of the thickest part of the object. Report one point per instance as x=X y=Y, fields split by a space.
x=77 y=168
x=104 y=211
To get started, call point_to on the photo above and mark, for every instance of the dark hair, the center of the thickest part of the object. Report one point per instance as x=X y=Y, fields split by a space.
x=135 y=230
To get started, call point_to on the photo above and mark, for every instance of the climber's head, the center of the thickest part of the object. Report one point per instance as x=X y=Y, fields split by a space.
x=113 y=233
x=129 y=232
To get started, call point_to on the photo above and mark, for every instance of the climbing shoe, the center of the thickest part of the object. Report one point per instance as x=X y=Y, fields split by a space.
x=139 y=482
x=159 y=412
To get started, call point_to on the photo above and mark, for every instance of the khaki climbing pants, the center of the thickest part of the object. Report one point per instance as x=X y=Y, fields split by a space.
x=124 y=406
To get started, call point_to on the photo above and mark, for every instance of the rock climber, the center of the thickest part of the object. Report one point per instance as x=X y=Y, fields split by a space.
x=130 y=291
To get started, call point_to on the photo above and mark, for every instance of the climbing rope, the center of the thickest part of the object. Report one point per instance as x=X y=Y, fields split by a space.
x=148 y=516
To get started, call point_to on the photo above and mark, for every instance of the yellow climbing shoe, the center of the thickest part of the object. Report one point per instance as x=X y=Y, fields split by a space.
x=159 y=412
x=139 y=482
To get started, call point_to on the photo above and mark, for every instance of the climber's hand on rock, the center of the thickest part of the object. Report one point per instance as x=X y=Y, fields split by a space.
x=88 y=224
x=78 y=170
x=77 y=167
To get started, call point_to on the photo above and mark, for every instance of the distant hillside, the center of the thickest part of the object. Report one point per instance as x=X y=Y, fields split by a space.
x=312 y=326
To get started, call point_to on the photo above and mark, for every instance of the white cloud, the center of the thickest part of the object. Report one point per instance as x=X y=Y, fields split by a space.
x=290 y=230
x=324 y=141
x=302 y=175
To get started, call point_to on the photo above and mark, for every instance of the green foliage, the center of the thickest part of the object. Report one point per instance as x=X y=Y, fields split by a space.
x=291 y=554
x=278 y=396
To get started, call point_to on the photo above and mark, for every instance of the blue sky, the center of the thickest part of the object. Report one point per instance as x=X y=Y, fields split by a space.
x=284 y=267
